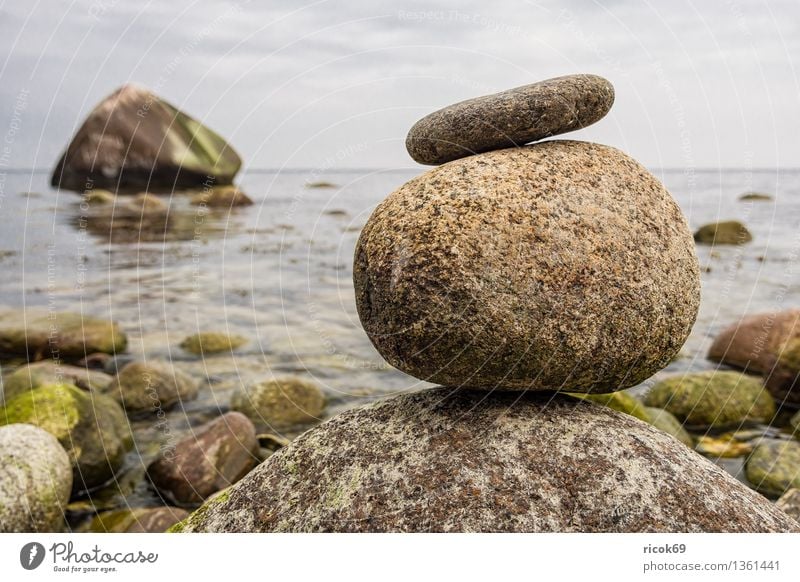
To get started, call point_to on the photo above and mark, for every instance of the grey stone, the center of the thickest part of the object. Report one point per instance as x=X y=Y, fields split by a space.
x=511 y=118
x=35 y=480
x=467 y=461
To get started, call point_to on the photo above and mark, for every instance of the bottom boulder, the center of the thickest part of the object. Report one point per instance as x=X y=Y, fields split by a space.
x=456 y=460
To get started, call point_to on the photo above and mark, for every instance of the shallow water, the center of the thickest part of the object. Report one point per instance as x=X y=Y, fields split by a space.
x=279 y=273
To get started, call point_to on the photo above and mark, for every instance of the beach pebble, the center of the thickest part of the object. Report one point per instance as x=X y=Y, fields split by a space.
x=446 y=460
x=210 y=458
x=221 y=197
x=767 y=344
x=91 y=427
x=774 y=466
x=136 y=520
x=562 y=265
x=37 y=334
x=511 y=118
x=727 y=232
x=210 y=342
x=715 y=399
x=38 y=374
x=281 y=402
x=35 y=480
x=151 y=387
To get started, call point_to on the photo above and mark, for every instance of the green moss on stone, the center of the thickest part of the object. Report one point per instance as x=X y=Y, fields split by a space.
x=620 y=401
x=666 y=421
x=212 y=343
x=198 y=516
x=713 y=399
x=774 y=467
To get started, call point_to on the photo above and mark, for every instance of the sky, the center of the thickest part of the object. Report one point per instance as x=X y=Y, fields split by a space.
x=335 y=85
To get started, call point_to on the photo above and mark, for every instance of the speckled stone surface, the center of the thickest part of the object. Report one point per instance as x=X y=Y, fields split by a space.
x=445 y=460
x=558 y=265
x=510 y=118
x=35 y=480
x=209 y=459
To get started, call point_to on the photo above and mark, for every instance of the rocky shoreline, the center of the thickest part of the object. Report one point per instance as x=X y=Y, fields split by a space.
x=448 y=290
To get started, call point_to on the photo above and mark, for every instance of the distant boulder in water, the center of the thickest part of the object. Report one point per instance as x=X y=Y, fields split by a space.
x=134 y=139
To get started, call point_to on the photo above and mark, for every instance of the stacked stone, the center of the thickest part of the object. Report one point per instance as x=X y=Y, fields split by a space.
x=563 y=265
x=507 y=275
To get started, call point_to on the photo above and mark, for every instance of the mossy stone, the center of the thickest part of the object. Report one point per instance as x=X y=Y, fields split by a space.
x=92 y=428
x=774 y=466
x=727 y=232
x=713 y=399
x=210 y=342
x=281 y=402
x=755 y=196
x=136 y=520
x=665 y=421
x=620 y=401
x=46 y=372
x=37 y=335
x=221 y=197
x=35 y=480
x=151 y=387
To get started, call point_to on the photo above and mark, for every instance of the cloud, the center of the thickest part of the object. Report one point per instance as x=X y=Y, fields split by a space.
x=700 y=84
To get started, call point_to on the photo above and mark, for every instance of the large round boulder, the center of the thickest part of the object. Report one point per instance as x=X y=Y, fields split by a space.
x=92 y=428
x=35 y=480
x=135 y=139
x=467 y=461
x=510 y=118
x=559 y=265
x=143 y=387
x=209 y=459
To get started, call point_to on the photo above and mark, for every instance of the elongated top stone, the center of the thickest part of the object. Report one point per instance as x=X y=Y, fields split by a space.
x=134 y=139
x=510 y=118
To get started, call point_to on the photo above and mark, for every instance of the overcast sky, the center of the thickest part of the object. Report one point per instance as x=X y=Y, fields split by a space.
x=292 y=84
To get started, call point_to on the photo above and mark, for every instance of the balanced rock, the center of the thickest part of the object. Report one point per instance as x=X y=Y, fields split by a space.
x=136 y=520
x=715 y=399
x=728 y=232
x=92 y=428
x=281 y=402
x=36 y=335
x=151 y=387
x=134 y=139
x=509 y=119
x=211 y=458
x=774 y=466
x=45 y=372
x=768 y=344
x=559 y=265
x=35 y=480
x=457 y=460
